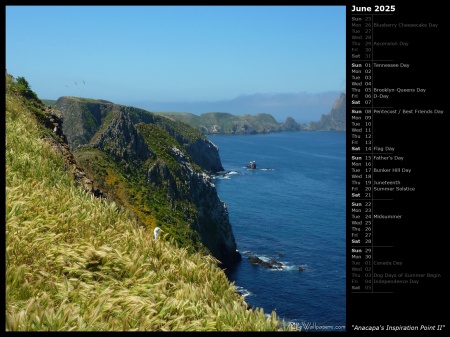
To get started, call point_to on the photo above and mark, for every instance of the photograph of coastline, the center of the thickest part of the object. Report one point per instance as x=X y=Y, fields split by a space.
x=175 y=168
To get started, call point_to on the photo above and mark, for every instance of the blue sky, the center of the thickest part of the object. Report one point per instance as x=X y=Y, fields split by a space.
x=178 y=54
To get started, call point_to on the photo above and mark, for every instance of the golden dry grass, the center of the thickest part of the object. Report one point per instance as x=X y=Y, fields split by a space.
x=76 y=263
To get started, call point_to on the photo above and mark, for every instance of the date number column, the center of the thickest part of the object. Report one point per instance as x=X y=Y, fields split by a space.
x=361 y=115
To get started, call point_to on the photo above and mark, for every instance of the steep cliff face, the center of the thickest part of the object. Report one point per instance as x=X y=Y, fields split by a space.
x=205 y=154
x=335 y=119
x=213 y=223
x=83 y=118
x=121 y=140
x=217 y=235
x=155 y=167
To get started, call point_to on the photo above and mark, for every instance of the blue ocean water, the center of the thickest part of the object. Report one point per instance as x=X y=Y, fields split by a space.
x=290 y=208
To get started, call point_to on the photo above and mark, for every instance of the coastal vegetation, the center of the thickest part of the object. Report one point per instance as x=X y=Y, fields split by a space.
x=226 y=123
x=75 y=262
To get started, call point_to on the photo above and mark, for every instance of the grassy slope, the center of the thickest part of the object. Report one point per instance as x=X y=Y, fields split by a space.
x=74 y=262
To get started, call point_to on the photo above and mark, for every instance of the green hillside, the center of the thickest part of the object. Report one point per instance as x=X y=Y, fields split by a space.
x=75 y=262
x=155 y=167
x=49 y=102
x=226 y=123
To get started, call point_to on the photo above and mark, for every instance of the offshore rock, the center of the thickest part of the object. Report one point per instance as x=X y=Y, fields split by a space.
x=251 y=165
x=271 y=264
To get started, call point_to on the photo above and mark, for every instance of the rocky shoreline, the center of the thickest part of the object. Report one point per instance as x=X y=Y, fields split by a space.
x=268 y=263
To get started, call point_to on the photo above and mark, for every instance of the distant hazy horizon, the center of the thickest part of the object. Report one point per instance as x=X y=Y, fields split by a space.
x=303 y=107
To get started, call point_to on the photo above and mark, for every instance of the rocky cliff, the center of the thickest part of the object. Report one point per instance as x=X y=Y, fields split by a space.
x=84 y=117
x=213 y=219
x=335 y=120
x=122 y=141
x=155 y=167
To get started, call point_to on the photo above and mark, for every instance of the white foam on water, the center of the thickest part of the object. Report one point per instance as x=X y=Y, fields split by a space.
x=233 y=172
x=243 y=292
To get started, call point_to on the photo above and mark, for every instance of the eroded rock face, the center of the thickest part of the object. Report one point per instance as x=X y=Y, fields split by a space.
x=205 y=154
x=81 y=118
x=120 y=132
x=122 y=141
x=59 y=144
x=213 y=223
x=215 y=228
